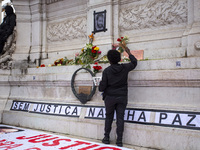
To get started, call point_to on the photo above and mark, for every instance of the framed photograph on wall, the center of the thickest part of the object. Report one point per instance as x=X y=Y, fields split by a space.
x=100 y=21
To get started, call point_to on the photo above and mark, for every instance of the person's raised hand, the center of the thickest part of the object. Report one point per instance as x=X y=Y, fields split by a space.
x=128 y=50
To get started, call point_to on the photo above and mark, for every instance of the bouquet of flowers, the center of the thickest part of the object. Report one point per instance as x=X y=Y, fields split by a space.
x=87 y=55
x=63 y=61
x=96 y=68
x=122 y=43
x=58 y=62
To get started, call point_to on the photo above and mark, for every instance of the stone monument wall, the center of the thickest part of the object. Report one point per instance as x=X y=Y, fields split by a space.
x=53 y=29
x=164 y=90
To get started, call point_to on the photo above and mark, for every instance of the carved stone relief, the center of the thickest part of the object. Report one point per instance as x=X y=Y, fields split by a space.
x=52 y=1
x=68 y=30
x=155 y=13
x=197 y=45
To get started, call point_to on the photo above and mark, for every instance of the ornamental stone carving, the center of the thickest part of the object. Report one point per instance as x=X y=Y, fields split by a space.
x=52 y=1
x=68 y=30
x=197 y=45
x=155 y=13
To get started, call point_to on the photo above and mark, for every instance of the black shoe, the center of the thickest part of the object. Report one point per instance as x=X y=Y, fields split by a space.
x=106 y=140
x=119 y=143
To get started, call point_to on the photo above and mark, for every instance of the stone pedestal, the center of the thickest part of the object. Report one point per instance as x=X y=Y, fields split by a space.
x=163 y=98
x=163 y=109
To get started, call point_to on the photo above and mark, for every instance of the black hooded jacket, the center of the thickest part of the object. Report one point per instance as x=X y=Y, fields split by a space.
x=114 y=79
x=9 y=22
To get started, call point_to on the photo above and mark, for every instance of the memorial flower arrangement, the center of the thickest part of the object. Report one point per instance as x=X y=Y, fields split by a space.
x=58 y=62
x=88 y=54
x=96 y=68
x=63 y=61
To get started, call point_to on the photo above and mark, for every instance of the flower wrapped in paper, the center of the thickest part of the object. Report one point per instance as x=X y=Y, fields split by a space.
x=122 y=43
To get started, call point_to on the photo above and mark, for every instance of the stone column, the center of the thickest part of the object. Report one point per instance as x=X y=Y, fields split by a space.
x=38 y=30
x=31 y=29
x=44 y=30
x=116 y=32
x=24 y=40
x=193 y=38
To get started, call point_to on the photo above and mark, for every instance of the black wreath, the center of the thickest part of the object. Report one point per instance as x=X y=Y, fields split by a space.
x=83 y=97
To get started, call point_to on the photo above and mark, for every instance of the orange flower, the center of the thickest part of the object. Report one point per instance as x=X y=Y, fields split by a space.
x=91 y=36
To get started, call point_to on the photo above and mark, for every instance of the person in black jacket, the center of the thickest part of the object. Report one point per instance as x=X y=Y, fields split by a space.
x=115 y=90
x=7 y=26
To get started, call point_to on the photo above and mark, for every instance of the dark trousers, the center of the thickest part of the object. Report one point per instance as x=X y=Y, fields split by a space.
x=112 y=104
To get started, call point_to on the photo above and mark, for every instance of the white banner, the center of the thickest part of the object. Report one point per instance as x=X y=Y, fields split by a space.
x=13 y=138
x=178 y=119
x=181 y=119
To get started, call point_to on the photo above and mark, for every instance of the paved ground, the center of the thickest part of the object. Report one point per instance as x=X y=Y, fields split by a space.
x=16 y=138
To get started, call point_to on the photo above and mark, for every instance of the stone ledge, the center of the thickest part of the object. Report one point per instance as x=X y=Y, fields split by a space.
x=133 y=83
x=164 y=83
x=145 y=65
